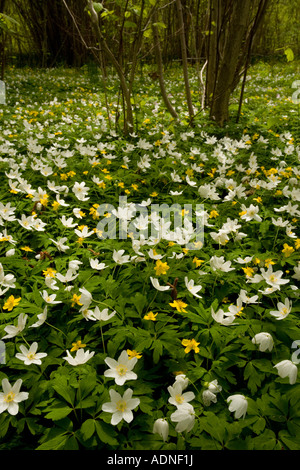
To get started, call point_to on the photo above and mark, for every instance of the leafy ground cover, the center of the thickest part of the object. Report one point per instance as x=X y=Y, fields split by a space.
x=151 y=341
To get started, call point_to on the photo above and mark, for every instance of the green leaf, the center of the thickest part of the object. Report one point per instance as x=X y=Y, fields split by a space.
x=106 y=433
x=87 y=385
x=214 y=426
x=71 y=444
x=88 y=428
x=146 y=405
x=289 y=54
x=259 y=425
x=129 y=24
x=139 y=301
x=195 y=318
x=205 y=443
x=147 y=33
x=157 y=350
x=265 y=441
x=4 y=425
x=63 y=389
x=254 y=378
x=86 y=402
x=97 y=7
x=264 y=227
x=160 y=24
x=33 y=426
x=56 y=443
x=292 y=442
x=59 y=411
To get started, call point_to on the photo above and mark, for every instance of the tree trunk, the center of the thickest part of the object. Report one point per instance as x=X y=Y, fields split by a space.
x=2 y=43
x=184 y=60
x=128 y=114
x=160 y=69
x=228 y=50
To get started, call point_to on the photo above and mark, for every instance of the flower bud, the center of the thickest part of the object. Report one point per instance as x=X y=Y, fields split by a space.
x=161 y=427
x=10 y=252
x=288 y=369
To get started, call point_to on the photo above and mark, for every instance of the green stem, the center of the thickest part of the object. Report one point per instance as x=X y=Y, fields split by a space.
x=55 y=328
x=275 y=239
x=102 y=337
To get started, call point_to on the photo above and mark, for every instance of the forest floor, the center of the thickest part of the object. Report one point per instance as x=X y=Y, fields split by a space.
x=117 y=318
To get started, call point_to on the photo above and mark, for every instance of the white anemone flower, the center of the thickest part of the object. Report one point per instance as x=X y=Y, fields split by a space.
x=208 y=397
x=183 y=380
x=264 y=340
x=74 y=264
x=85 y=298
x=95 y=264
x=288 y=369
x=161 y=427
x=81 y=357
x=12 y=330
x=6 y=280
x=238 y=404
x=68 y=223
x=246 y=299
x=297 y=272
x=214 y=387
x=50 y=299
x=283 y=310
x=103 y=315
x=84 y=232
x=30 y=356
x=246 y=260
x=184 y=416
x=190 y=285
x=121 y=370
x=121 y=406
x=273 y=278
x=153 y=255
x=220 y=263
x=26 y=222
x=120 y=258
x=225 y=318
x=155 y=283
x=80 y=191
x=178 y=398
x=42 y=317
x=60 y=244
x=68 y=277
x=220 y=237
x=250 y=213
x=11 y=396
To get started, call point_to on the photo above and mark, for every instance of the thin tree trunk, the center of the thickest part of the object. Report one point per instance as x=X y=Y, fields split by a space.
x=229 y=51
x=211 y=53
x=259 y=16
x=128 y=114
x=184 y=60
x=160 y=70
x=225 y=76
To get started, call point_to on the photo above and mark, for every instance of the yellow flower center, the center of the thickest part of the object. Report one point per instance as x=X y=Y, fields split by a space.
x=9 y=397
x=31 y=356
x=121 y=369
x=179 y=399
x=240 y=310
x=121 y=405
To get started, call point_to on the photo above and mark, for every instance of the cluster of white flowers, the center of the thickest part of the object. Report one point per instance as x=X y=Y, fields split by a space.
x=184 y=415
x=185 y=174
x=121 y=406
